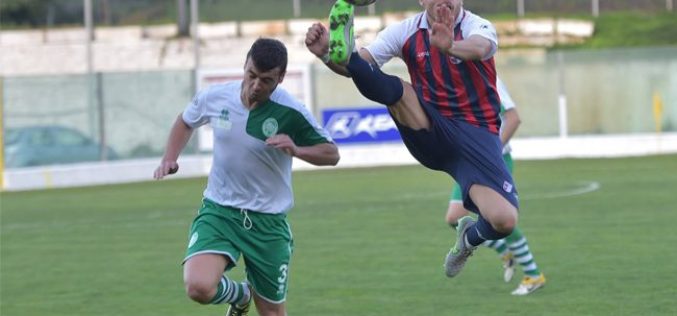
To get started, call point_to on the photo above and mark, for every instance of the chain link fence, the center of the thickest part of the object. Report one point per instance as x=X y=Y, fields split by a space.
x=50 y=13
x=608 y=91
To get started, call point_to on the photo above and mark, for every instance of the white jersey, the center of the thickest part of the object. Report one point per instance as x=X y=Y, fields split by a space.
x=391 y=40
x=246 y=173
x=506 y=104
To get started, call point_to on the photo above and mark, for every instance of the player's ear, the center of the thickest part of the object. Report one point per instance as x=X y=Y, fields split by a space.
x=281 y=78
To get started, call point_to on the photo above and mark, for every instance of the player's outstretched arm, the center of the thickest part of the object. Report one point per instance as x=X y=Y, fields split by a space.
x=475 y=47
x=317 y=42
x=325 y=154
x=178 y=138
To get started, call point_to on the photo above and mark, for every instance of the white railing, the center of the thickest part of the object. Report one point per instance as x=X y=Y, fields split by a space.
x=87 y=174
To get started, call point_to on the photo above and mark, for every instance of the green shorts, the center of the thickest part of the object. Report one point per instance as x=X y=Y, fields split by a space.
x=264 y=240
x=456 y=195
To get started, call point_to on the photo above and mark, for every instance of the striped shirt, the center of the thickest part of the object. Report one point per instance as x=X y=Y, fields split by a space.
x=458 y=89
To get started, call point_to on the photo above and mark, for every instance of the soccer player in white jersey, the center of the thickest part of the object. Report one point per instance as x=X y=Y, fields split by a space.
x=258 y=128
x=513 y=248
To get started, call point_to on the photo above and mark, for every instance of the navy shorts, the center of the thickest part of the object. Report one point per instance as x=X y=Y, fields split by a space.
x=470 y=154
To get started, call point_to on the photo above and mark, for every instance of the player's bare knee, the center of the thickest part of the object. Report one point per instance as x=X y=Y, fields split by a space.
x=454 y=212
x=199 y=292
x=505 y=226
x=452 y=220
x=507 y=222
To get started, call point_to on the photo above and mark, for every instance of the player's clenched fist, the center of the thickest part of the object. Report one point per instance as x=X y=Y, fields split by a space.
x=317 y=40
x=165 y=168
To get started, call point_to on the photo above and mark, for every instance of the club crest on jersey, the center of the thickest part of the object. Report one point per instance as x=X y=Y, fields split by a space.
x=223 y=121
x=269 y=127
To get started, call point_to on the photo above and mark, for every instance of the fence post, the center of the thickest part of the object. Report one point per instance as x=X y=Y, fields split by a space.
x=103 y=141
x=297 y=8
x=562 y=99
x=2 y=136
x=89 y=37
x=595 y=8
x=520 y=8
x=668 y=5
x=195 y=25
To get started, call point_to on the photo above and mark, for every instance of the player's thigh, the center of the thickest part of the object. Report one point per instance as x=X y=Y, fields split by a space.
x=267 y=252
x=494 y=207
x=212 y=244
x=204 y=270
x=266 y=308
x=408 y=111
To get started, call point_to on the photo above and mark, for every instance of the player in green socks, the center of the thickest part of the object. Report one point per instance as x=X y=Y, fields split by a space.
x=258 y=127
x=513 y=248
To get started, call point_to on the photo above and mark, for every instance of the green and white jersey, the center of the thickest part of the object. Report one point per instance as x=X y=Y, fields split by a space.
x=506 y=104
x=246 y=173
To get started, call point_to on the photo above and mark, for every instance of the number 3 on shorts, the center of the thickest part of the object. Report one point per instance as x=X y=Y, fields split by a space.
x=282 y=280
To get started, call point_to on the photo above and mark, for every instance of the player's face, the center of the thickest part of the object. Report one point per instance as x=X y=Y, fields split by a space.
x=257 y=86
x=431 y=5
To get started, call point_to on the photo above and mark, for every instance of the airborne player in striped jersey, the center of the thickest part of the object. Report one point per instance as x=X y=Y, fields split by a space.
x=448 y=115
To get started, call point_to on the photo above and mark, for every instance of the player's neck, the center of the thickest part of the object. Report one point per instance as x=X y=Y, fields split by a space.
x=251 y=104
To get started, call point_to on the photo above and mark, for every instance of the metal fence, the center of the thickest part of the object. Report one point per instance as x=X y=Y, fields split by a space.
x=145 y=12
x=608 y=92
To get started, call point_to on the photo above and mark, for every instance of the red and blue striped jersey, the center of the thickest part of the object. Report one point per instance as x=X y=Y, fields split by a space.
x=458 y=89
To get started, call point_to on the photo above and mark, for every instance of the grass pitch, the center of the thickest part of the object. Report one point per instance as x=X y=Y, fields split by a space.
x=367 y=242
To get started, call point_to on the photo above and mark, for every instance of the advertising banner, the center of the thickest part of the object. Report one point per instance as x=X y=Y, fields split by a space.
x=360 y=125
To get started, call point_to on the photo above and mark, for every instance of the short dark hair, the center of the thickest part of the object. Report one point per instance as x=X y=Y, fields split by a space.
x=268 y=53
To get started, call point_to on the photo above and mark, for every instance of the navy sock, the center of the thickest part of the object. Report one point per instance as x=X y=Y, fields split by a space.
x=373 y=83
x=481 y=232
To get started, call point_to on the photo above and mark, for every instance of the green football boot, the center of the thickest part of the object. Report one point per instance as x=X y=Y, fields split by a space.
x=341 y=35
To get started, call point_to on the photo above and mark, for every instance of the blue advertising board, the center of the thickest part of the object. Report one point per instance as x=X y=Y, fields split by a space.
x=360 y=125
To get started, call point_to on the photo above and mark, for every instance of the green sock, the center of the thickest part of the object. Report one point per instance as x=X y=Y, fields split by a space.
x=520 y=249
x=498 y=245
x=229 y=291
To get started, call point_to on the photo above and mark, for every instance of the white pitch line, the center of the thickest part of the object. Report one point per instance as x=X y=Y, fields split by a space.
x=583 y=188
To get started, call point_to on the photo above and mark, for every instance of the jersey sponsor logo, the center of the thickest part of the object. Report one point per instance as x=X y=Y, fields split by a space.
x=360 y=125
x=270 y=127
x=221 y=122
x=422 y=55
